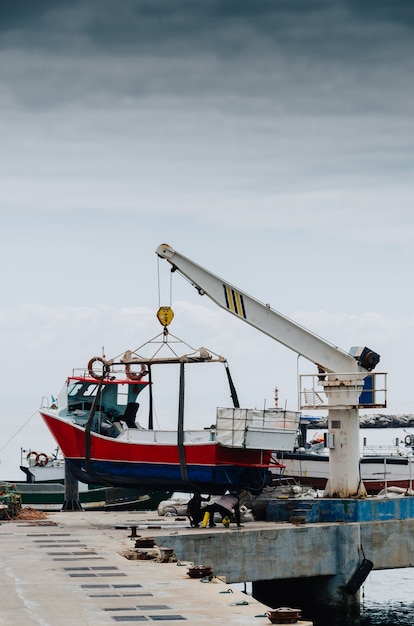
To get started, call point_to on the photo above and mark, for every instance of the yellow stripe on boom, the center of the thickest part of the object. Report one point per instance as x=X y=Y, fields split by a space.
x=234 y=301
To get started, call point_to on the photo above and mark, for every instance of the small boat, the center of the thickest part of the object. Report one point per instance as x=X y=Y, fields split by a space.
x=44 y=488
x=283 y=488
x=94 y=422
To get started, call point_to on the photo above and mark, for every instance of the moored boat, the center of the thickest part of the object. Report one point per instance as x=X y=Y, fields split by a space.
x=377 y=472
x=380 y=466
x=44 y=488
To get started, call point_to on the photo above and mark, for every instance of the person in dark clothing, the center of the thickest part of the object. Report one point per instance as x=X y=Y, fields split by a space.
x=226 y=506
x=194 y=513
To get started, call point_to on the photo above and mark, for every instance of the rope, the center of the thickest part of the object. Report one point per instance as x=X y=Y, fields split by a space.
x=362 y=551
x=17 y=432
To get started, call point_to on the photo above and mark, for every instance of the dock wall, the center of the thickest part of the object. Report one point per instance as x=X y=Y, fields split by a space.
x=290 y=551
x=307 y=565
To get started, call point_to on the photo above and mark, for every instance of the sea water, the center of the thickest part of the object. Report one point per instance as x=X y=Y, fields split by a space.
x=387 y=598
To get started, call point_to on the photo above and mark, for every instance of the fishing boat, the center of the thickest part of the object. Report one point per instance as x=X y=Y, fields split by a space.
x=44 y=488
x=94 y=421
x=380 y=467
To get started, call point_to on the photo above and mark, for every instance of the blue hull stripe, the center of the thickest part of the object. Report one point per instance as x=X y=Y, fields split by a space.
x=141 y=474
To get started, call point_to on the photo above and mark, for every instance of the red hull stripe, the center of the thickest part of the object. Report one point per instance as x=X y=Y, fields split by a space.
x=71 y=439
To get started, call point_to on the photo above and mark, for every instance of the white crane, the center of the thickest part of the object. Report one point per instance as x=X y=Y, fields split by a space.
x=340 y=373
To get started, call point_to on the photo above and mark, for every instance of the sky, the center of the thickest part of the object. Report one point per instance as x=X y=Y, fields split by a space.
x=271 y=141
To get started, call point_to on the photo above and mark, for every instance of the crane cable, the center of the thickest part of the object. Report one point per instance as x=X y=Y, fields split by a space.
x=159 y=284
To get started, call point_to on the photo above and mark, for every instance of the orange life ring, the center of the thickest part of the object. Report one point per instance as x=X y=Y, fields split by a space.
x=135 y=375
x=31 y=454
x=42 y=459
x=105 y=367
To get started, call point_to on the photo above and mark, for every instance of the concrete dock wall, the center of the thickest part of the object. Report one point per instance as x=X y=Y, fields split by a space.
x=302 y=565
x=288 y=551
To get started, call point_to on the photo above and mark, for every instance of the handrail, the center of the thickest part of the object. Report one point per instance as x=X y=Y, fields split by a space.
x=369 y=391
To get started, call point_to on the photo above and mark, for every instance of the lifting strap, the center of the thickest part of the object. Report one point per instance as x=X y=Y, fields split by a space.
x=180 y=428
x=233 y=391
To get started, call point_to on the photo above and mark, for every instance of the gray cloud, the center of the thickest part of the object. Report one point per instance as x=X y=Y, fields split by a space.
x=233 y=32
x=276 y=103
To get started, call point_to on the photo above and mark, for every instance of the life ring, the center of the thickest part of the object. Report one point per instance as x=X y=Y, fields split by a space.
x=105 y=367
x=31 y=454
x=135 y=375
x=42 y=459
x=409 y=440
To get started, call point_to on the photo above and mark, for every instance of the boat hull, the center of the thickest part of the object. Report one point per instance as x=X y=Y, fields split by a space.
x=207 y=465
x=51 y=497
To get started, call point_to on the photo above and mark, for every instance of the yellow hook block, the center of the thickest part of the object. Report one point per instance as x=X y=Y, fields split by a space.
x=165 y=315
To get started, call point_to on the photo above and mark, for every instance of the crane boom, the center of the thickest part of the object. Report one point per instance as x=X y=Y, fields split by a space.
x=342 y=377
x=284 y=330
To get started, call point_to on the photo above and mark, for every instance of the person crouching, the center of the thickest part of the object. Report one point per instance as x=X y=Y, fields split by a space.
x=228 y=505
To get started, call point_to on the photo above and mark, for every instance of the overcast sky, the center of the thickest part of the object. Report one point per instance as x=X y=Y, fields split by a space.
x=271 y=141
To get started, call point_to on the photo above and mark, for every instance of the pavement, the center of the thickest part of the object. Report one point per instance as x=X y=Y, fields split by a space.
x=82 y=568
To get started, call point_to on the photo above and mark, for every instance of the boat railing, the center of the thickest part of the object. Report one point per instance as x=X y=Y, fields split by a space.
x=45 y=403
x=389 y=477
x=367 y=392
x=389 y=450
x=167 y=437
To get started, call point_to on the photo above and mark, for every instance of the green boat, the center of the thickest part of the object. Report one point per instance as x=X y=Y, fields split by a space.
x=44 y=488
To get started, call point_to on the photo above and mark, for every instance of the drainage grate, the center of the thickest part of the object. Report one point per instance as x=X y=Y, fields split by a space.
x=66 y=553
x=153 y=607
x=32 y=523
x=121 y=608
x=58 y=544
x=105 y=595
x=77 y=558
x=115 y=586
x=166 y=618
x=66 y=541
x=114 y=594
x=94 y=568
x=129 y=618
x=48 y=535
x=94 y=571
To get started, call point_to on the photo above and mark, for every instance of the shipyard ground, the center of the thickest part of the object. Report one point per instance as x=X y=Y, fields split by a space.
x=82 y=568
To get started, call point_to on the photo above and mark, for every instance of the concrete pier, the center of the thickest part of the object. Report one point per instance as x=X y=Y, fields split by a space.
x=75 y=568
x=310 y=564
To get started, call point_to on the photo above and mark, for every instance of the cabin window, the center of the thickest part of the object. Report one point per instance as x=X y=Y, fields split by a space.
x=83 y=390
x=74 y=389
x=91 y=390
